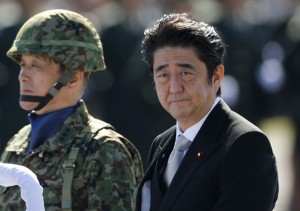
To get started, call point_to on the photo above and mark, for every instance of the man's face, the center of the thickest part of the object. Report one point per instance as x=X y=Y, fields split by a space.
x=37 y=76
x=182 y=84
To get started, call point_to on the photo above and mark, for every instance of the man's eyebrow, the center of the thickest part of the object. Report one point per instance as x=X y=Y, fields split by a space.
x=160 y=67
x=186 y=65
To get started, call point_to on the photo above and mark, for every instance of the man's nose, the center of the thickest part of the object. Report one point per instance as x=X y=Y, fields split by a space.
x=176 y=84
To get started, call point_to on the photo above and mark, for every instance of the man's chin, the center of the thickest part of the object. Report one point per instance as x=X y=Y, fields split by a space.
x=28 y=106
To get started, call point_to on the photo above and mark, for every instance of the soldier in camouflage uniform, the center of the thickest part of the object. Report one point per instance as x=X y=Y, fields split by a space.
x=82 y=163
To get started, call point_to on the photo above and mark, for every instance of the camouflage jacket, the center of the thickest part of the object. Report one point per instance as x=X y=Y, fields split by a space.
x=107 y=169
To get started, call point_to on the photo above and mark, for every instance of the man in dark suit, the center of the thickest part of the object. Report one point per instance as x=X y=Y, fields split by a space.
x=228 y=164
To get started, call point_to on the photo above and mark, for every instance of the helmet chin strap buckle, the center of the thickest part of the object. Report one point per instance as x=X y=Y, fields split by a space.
x=43 y=100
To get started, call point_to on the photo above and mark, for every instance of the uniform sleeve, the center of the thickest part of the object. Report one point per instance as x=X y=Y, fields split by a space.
x=113 y=184
x=248 y=176
x=31 y=191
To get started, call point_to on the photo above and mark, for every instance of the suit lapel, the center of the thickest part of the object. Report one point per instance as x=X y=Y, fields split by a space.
x=156 y=169
x=158 y=186
x=161 y=153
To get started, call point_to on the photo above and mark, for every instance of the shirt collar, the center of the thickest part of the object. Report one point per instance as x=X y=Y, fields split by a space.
x=192 y=131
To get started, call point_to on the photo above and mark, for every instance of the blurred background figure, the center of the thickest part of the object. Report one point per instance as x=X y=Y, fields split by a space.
x=244 y=38
x=169 y=6
x=282 y=60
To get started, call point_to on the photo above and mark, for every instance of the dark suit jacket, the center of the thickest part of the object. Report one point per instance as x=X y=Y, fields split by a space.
x=230 y=166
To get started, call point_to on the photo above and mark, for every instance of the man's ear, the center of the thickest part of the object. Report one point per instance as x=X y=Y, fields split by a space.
x=77 y=79
x=218 y=76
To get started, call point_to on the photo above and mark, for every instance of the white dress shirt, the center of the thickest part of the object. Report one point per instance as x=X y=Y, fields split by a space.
x=31 y=191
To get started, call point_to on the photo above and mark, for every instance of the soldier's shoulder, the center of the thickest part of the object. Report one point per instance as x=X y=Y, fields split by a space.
x=110 y=141
x=19 y=139
x=98 y=124
x=107 y=135
x=103 y=130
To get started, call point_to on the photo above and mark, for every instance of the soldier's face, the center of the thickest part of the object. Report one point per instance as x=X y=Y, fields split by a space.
x=37 y=75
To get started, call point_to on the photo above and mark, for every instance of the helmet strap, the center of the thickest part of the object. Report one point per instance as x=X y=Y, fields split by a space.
x=62 y=81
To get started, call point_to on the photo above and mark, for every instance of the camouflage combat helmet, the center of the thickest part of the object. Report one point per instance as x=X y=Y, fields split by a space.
x=62 y=35
x=66 y=37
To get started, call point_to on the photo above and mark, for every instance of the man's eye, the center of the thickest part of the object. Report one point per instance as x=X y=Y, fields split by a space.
x=162 y=75
x=185 y=73
x=35 y=65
